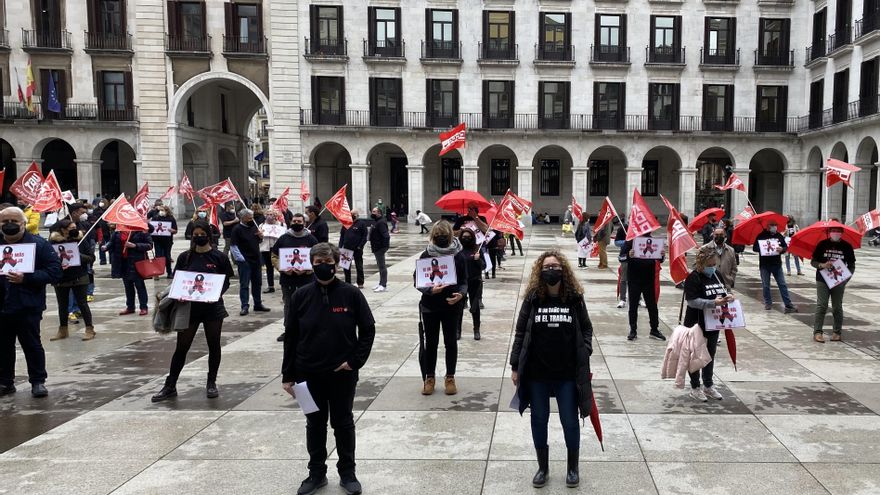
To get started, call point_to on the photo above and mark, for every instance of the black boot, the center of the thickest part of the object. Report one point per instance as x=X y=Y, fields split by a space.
x=476 y=333
x=312 y=484
x=572 y=478
x=167 y=392
x=540 y=478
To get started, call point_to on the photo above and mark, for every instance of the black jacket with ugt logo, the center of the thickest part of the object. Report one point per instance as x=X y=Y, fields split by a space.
x=325 y=327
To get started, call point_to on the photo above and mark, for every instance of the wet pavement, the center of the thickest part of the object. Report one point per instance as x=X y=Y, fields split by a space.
x=797 y=417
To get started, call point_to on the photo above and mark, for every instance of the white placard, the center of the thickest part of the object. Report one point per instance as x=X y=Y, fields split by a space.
x=584 y=248
x=491 y=235
x=768 y=247
x=296 y=258
x=69 y=254
x=479 y=236
x=724 y=317
x=346 y=256
x=196 y=286
x=17 y=258
x=304 y=398
x=273 y=230
x=837 y=274
x=431 y=272
x=650 y=248
x=488 y=260
x=162 y=229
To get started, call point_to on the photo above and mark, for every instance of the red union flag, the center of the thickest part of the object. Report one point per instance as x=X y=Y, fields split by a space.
x=124 y=216
x=518 y=204
x=219 y=193
x=576 y=209
x=186 y=187
x=838 y=171
x=338 y=206
x=280 y=204
x=141 y=201
x=641 y=219
x=606 y=214
x=733 y=182
x=507 y=218
x=456 y=138
x=27 y=187
x=680 y=242
x=304 y=193
x=168 y=193
x=868 y=221
x=746 y=214
x=49 y=198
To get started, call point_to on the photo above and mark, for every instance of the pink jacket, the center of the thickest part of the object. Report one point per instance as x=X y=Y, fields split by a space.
x=685 y=352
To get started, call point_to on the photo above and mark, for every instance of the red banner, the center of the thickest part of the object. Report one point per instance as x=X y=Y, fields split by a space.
x=733 y=182
x=641 y=219
x=186 y=187
x=122 y=214
x=839 y=171
x=141 y=201
x=576 y=209
x=338 y=206
x=49 y=198
x=868 y=221
x=606 y=214
x=281 y=204
x=456 y=138
x=680 y=242
x=219 y=193
x=507 y=218
x=168 y=193
x=304 y=193
x=27 y=187
x=746 y=214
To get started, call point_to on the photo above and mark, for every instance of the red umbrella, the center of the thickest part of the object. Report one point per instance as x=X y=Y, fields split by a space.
x=594 y=418
x=731 y=346
x=701 y=219
x=804 y=242
x=747 y=231
x=459 y=201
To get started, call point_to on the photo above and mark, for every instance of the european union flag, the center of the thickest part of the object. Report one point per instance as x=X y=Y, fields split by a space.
x=261 y=156
x=54 y=105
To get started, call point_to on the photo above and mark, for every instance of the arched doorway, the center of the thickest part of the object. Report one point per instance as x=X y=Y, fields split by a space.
x=607 y=177
x=497 y=171
x=118 y=171
x=442 y=174
x=332 y=164
x=388 y=177
x=230 y=167
x=59 y=156
x=714 y=166
x=196 y=168
x=838 y=194
x=815 y=162
x=766 y=181
x=660 y=175
x=552 y=180
x=7 y=163
x=866 y=180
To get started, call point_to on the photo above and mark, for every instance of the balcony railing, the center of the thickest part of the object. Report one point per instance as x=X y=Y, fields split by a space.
x=108 y=42
x=868 y=106
x=498 y=51
x=15 y=110
x=864 y=107
x=664 y=55
x=4 y=38
x=498 y=121
x=324 y=47
x=775 y=59
x=243 y=45
x=439 y=49
x=868 y=24
x=70 y=111
x=610 y=54
x=816 y=51
x=385 y=48
x=57 y=40
x=840 y=38
x=714 y=56
x=188 y=44
x=717 y=124
x=560 y=52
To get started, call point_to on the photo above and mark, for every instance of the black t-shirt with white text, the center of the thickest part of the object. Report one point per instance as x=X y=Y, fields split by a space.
x=828 y=250
x=552 y=349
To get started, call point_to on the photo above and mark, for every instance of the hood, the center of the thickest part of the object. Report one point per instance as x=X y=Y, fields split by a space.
x=57 y=238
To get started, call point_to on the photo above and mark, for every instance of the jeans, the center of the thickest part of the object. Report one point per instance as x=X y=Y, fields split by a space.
x=358 y=262
x=433 y=322
x=163 y=250
x=776 y=271
x=708 y=370
x=334 y=395
x=797 y=263
x=566 y=399
x=383 y=270
x=642 y=286
x=102 y=256
x=823 y=293
x=250 y=281
x=270 y=270
x=26 y=327
x=79 y=293
x=622 y=282
x=184 y=342
x=72 y=306
x=132 y=286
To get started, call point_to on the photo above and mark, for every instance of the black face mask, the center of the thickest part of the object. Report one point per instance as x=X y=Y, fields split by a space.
x=468 y=241
x=719 y=239
x=551 y=277
x=376 y=217
x=324 y=272
x=73 y=234
x=441 y=241
x=297 y=227
x=11 y=229
x=201 y=240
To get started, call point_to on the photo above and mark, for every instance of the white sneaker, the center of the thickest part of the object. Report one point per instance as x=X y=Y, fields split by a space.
x=697 y=394
x=712 y=392
x=642 y=304
x=379 y=288
x=621 y=304
x=376 y=286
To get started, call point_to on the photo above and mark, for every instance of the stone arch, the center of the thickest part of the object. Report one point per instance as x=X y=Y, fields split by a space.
x=661 y=167
x=766 y=180
x=118 y=170
x=714 y=166
x=331 y=166
x=178 y=102
x=606 y=177
x=7 y=162
x=439 y=172
x=389 y=179
x=59 y=155
x=497 y=165
x=552 y=179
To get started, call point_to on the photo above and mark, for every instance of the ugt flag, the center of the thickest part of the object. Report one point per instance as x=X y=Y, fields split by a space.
x=641 y=219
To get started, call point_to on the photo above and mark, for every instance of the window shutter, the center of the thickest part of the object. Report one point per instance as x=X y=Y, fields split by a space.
x=340 y=29
x=374 y=107
x=371 y=29
x=231 y=25
x=341 y=100
x=758 y=95
x=512 y=30
x=313 y=25
x=732 y=43
x=316 y=100
x=783 y=107
x=568 y=43
x=260 y=41
x=99 y=89
x=61 y=87
x=92 y=13
x=706 y=46
x=455 y=31
x=623 y=44
x=398 y=90
x=129 y=92
x=429 y=102
x=542 y=19
x=485 y=31
x=621 y=108
x=597 y=35
x=397 y=31
x=566 y=104
x=55 y=12
x=173 y=18
x=485 y=103
x=705 y=102
x=204 y=21
x=512 y=99
x=124 y=23
x=455 y=120
x=728 y=107
x=541 y=103
x=652 y=92
x=676 y=37
x=595 y=100
x=652 y=36
x=676 y=106
x=428 y=35
x=786 y=33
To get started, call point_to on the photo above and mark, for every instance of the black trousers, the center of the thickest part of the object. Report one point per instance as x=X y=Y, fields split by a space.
x=80 y=293
x=25 y=327
x=511 y=239
x=709 y=369
x=334 y=395
x=642 y=285
x=495 y=256
x=184 y=342
x=448 y=320
x=270 y=270
x=358 y=266
x=425 y=229
x=475 y=296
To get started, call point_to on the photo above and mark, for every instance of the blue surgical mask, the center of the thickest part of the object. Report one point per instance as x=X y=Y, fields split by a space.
x=709 y=271
x=773 y=229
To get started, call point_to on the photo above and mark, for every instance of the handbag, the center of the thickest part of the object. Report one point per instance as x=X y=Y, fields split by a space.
x=150 y=267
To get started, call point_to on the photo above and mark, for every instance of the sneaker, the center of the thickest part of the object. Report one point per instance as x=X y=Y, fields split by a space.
x=376 y=286
x=71 y=318
x=350 y=485
x=632 y=335
x=791 y=309
x=656 y=335
x=800 y=273
x=380 y=288
x=269 y=290
x=621 y=304
x=642 y=304
x=712 y=392
x=360 y=286
x=449 y=385
x=90 y=298
x=697 y=394
x=818 y=337
x=211 y=390
x=835 y=337
x=243 y=312
x=788 y=274
x=38 y=390
x=311 y=485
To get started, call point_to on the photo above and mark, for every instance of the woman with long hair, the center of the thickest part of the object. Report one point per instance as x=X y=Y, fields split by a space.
x=792 y=228
x=201 y=257
x=441 y=306
x=161 y=240
x=126 y=249
x=74 y=279
x=551 y=357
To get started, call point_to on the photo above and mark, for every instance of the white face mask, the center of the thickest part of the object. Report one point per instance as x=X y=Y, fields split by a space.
x=835 y=236
x=162 y=213
x=202 y=214
x=101 y=205
x=83 y=217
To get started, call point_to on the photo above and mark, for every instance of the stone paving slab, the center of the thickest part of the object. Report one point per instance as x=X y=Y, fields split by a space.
x=699 y=478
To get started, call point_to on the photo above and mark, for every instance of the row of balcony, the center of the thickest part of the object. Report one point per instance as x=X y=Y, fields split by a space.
x=843 y=38
x=13 y=110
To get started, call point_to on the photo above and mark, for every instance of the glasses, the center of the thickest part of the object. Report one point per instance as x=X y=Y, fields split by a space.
x=552 y=267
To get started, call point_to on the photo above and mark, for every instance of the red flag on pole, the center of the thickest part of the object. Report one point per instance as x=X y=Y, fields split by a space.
x=141 y=200
x=338 y=206
x=27 y=187
x=838 y=171
x=186 y=187
x=680 y=242
x=641 y=219
x=507 y=218
x=746 y=214
x=168 y=193
x=606 y=214
x=868 y=221
x=49 y=198
x=733 y=182
x=304 y=193
x=219 y=193
x=576 y=209
x=122 y=214
x=281 y=204
x=455 y=138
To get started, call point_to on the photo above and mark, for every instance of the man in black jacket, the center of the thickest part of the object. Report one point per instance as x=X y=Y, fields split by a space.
x=380 y=241
x=229 y=221
x=771 y=264
x=641 y=275
x=245 y=241
x=355 y=238
x=328 y=338
x=828 y=250
x=317 y=226
x=22 y=302
x=296 y=237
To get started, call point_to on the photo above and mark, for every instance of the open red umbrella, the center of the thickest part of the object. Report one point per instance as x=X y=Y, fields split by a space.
x=459 y=201
x=804 y=242
x=701 y=219
x=594 y=419
x=731 y=346
x=747 y=231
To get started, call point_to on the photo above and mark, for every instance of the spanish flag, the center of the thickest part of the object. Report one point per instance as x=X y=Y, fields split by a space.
x=30 y=86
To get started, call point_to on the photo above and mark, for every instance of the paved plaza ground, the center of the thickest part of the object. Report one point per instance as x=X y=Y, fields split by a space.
x=797 y=418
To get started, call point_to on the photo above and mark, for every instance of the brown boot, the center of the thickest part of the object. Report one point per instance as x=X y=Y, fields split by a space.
x=450 y=386
x=428 y=387
x=90 y=333
x=62 y=334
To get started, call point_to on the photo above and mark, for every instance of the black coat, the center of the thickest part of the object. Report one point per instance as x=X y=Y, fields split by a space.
x=320 y=230
x=354 y=237
x=75 y=275
x=380 y=238
x=29 y=297
x=123 y=267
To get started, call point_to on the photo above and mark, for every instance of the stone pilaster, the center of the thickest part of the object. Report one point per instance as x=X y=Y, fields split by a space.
x=633 y=181
x=88 y=178
x=471 y=172
x=360 y=186
x=580 y=174
x=415 y=182
x=151 y=91
x=687 y=183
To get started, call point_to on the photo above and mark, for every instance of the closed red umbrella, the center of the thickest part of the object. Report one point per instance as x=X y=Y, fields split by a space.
x=804 y=242
x=594 y=419
x=731 y=346
x=747 y=231
x=701 y=219
x=459 y=201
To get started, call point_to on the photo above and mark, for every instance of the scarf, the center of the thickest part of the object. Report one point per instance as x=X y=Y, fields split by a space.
x=451 y=250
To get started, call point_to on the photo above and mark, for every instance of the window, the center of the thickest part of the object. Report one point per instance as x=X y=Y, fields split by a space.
x=111 y=18
x=773 y=36
x=48 y=22
x=247 y=22
x=717 y=107
x=60 y=80
x=772 y=109
x=609 y=104
x=663 y=105
x=328 y=100
x=498 y=35
x=555 y=42
x=665 y=39
x=500 y=176
x=650 y=178
x=819 y=31
x=452 y=174
x=817 y=95
x=870 y=77
x=549 y=177
x=114 y=91
x=442 y=102
x=842 y=20
x=186 y=26
x=192 y=20
x=384 y=32
x=327 y=28
x=720 y=41
x=497 y=104
x=553 y=105
x=610 y=38
x=386 y=103
x=244 y=28
x=442 y=33
x=599 y=178
x=840 y=104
